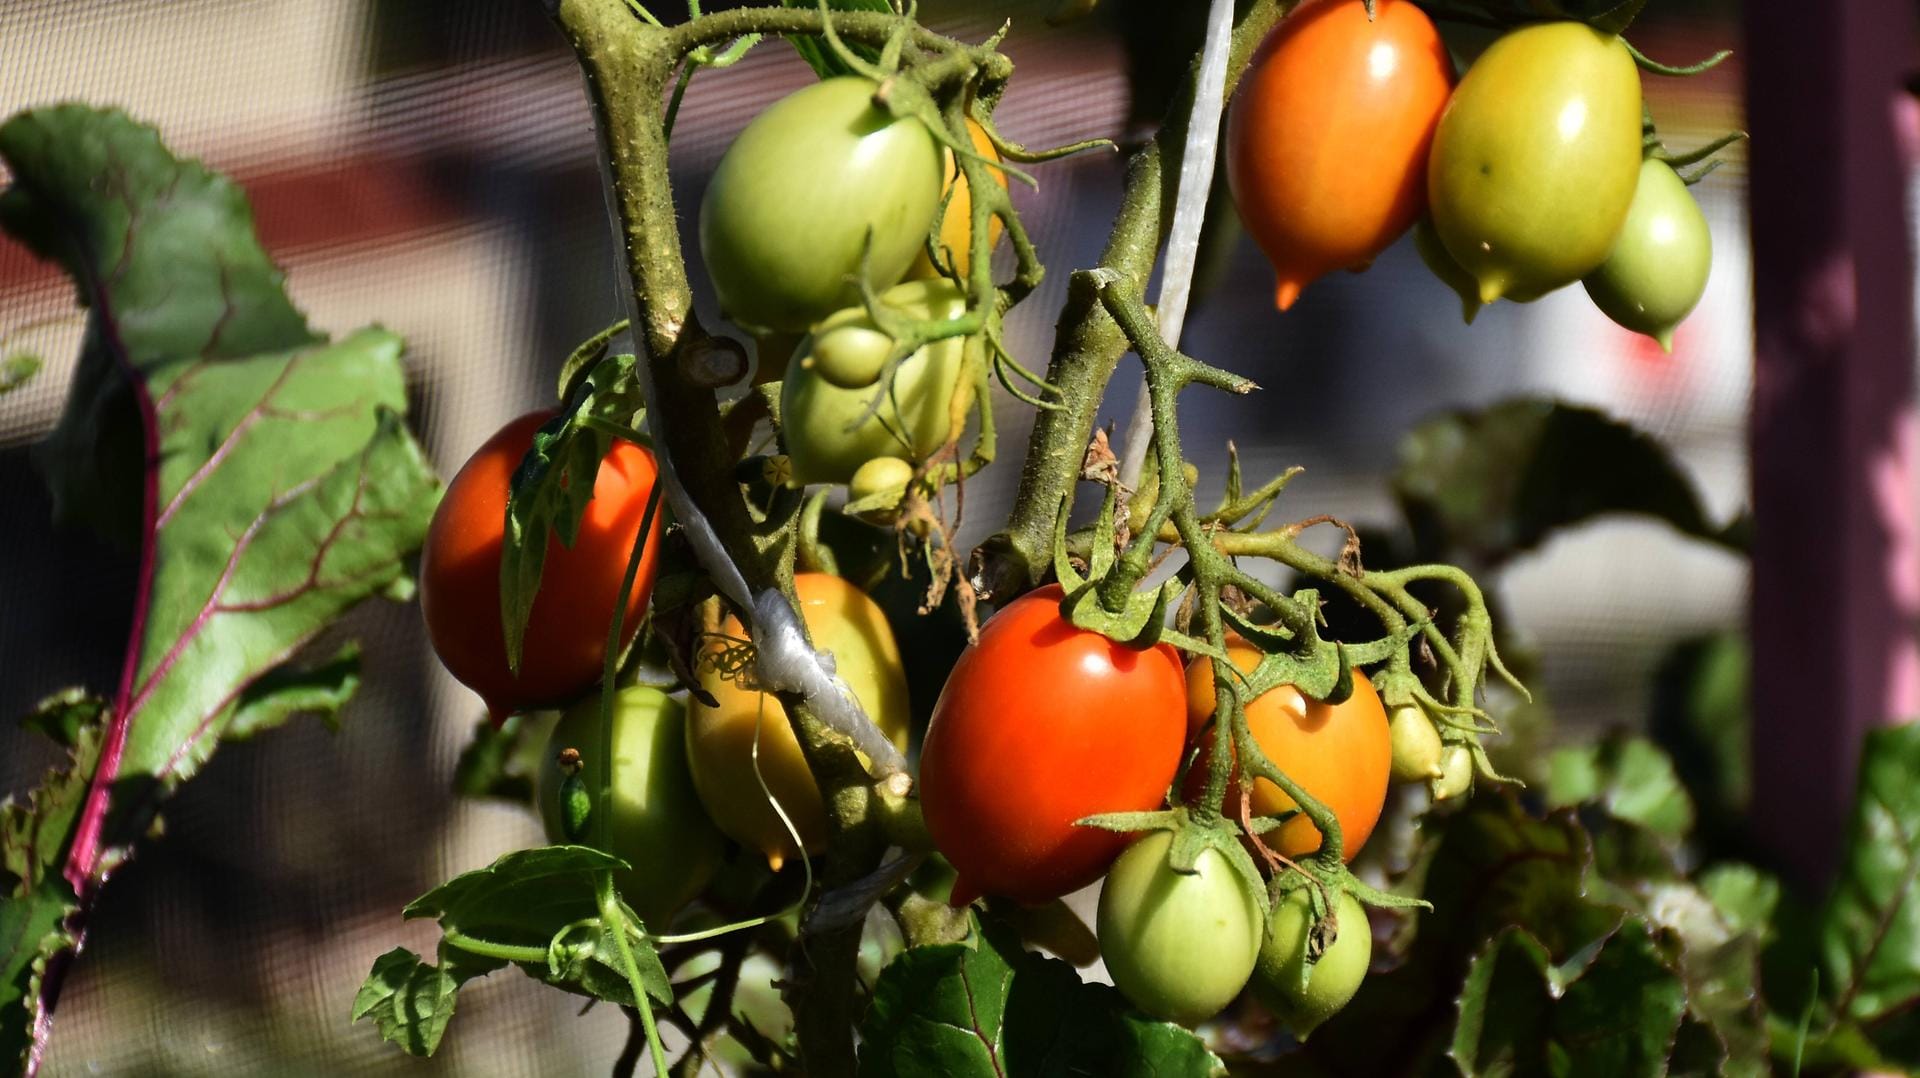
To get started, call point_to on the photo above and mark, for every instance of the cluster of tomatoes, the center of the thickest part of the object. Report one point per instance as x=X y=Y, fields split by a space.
x=857 y=193
x=1043 y=724
x=1040 y=725
x=1532 y=173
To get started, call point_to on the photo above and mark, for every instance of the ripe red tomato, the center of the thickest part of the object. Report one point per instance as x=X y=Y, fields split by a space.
x=566 y=636
x=1340 y=753
x=1042 y=723
x=1328 y=138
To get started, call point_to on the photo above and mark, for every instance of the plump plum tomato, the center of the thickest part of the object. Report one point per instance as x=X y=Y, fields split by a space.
x=1328 y=136
x=566 y=636
x=815 y=184
x=842 y=621
x=1179 y=946
x=1340 y=753
x=1042 y=723
x=645 y=811
x=1536 y=158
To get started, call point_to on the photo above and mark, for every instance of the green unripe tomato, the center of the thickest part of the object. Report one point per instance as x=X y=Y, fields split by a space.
x=1300 y=997
x=652 y=818
x=1659 y=266
x=881 y=475
x=1441 y=264
x=1416 y=744
x=1179 y=946
x=1456 y=774
x=787 y=216
x=828 y=440
x=848 y=350
x=1536 y=158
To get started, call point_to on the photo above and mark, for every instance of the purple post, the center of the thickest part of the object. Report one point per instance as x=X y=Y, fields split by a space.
x=1836 y=559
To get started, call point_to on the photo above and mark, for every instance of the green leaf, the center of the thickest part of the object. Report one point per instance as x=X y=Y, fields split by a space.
x=539 y=909
x=37 y=899
x=411 y=1002
x=34 y=833
x=1618 y=1018
x=291 y=690
x=32 y=931
x=17 y=370
x=818 y=54
x=554 y=483
x=1495 y=482
x=63 y=715
x=503 y=761
x=164 y=254
x=1745 y=896
x=265 y=474
x=1870 y=929
x=1628 y=777
x=991 y=1008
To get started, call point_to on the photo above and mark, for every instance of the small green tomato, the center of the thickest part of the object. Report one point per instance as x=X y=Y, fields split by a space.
x=1300 y=997
x=1659 y=266
x=1416 y=744
x=849 y=351
x=1456 y=774
x=648 y=814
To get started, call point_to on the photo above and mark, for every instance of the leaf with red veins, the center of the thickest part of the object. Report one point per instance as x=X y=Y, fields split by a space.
x=265 y=474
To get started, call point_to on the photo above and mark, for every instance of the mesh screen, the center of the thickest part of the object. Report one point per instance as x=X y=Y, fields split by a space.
x=428 y=165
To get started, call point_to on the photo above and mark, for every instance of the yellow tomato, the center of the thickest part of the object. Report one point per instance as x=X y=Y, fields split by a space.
x=842 y=621
x=956 y=228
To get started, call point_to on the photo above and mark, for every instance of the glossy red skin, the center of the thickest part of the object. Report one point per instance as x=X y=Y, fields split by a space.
x=1329 y=133
x=1040 y=724
x=566 y=637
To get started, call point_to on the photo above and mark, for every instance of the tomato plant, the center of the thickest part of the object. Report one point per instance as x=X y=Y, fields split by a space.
x=644 y=808
x=1535 y=161
x=1340 y=753
x=1040 y=724
x=1657 y=270
x=724 y=739
x=1303 y=993
x=1329 y=134
x=566 y=636
x=817 y=186
x=1180 y=945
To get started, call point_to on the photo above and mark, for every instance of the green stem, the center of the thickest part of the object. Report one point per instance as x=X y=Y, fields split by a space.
x=505 y=952
x=611 y=914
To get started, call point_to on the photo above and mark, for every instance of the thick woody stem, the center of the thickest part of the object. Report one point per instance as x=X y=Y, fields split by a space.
x=1087 y=343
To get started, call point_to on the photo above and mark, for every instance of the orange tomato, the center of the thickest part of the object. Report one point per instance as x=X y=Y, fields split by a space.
x=1339 y=753
x=956 y=228
x=566 y=639
x=1329 y=133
